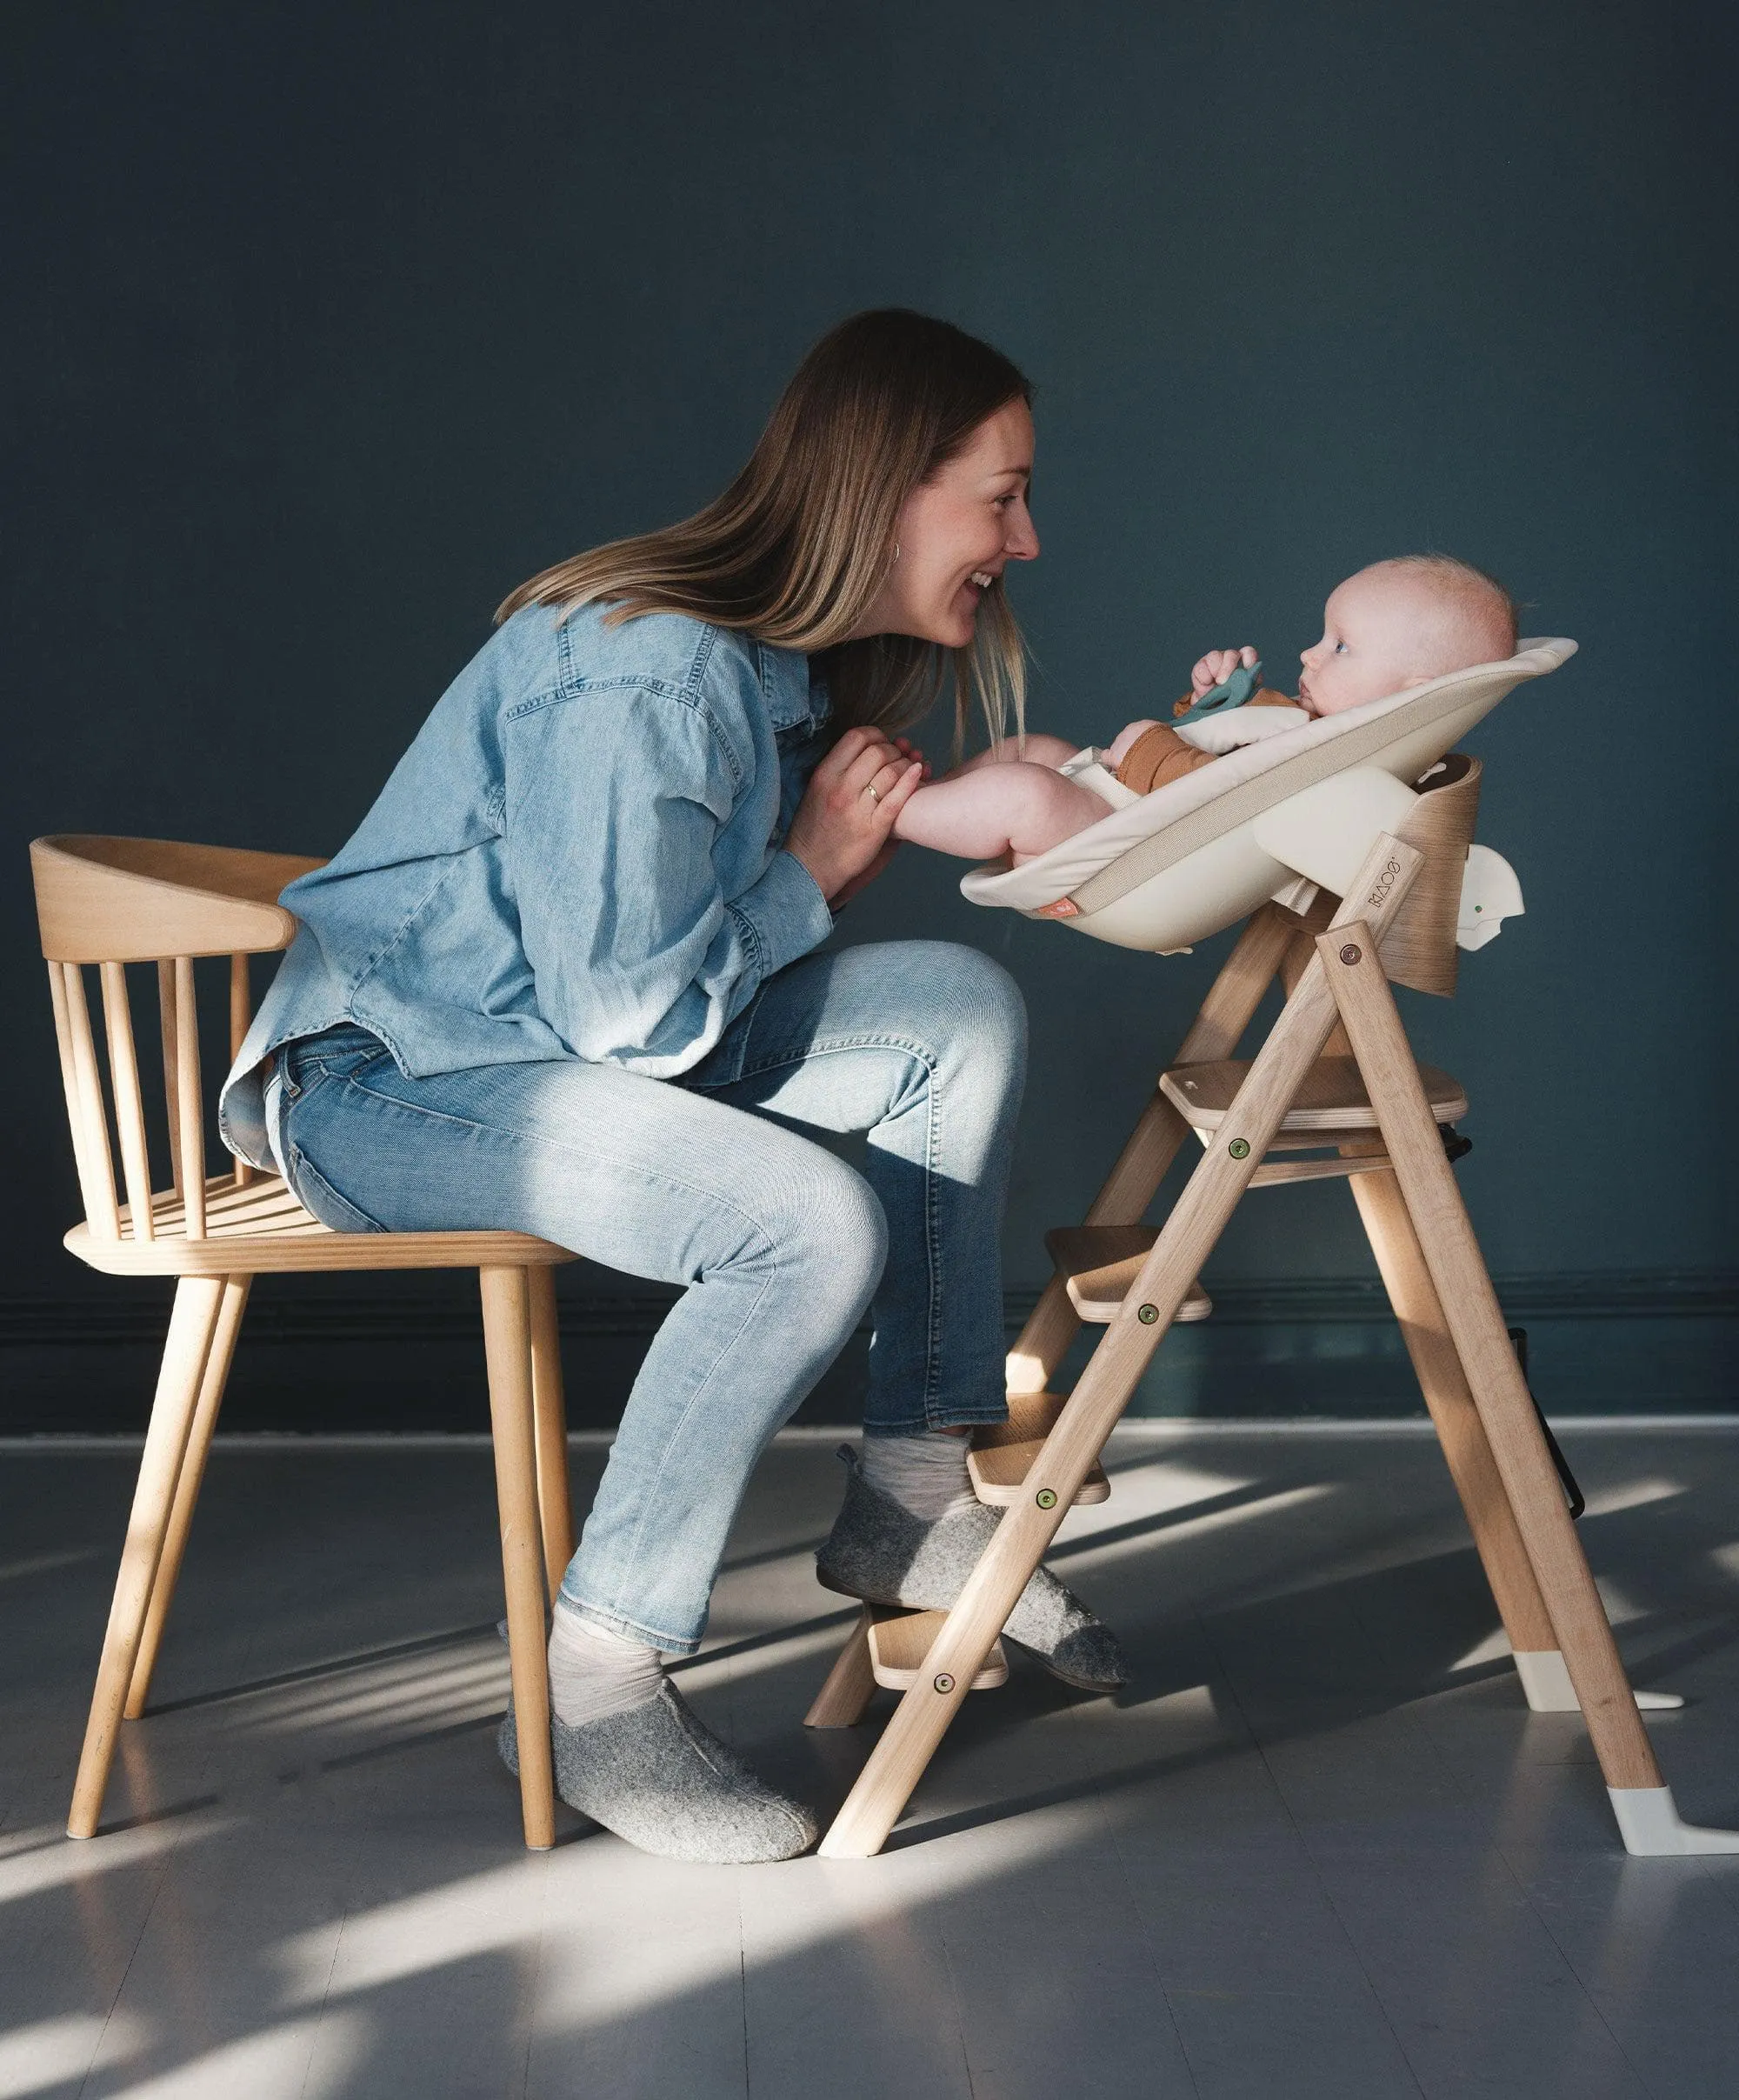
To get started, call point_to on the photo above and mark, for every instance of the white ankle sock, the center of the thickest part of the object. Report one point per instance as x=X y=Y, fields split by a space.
x=925 y=1473
x=593 y=1672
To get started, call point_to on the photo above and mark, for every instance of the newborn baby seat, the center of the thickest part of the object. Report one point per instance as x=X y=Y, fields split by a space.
x=1349 y=840
x=1167 y=870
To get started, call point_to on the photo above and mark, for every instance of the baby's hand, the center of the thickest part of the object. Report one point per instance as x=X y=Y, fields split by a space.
x=1218 y=665
x=1126 y=742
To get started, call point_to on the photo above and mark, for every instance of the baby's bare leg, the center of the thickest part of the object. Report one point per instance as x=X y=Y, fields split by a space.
x=1041 y=750
x=985 y=812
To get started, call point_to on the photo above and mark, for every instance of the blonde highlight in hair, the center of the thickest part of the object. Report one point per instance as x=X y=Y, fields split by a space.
x=797 y=549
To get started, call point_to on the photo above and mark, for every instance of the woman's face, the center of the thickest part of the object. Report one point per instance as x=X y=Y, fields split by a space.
x=958 y=532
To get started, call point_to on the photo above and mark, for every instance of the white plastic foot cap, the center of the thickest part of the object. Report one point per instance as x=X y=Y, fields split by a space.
x=1547 y=1684
x=1649 y=1824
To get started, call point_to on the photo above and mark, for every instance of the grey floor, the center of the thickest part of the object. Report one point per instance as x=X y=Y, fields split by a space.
x=1317 y=1848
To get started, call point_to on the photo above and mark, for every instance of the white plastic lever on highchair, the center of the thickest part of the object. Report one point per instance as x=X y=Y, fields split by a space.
x=1490 y=894
x=1649 y=1822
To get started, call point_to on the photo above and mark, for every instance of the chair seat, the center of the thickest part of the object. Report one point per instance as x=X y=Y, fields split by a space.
x=260 y=1229
x=1332 y=1098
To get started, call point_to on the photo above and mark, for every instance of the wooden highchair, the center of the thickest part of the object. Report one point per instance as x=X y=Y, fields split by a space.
x=1336 y=1080
x=112 y=902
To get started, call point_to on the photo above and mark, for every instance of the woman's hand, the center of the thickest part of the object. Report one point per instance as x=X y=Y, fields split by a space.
x=1218 y=665
x=843 y=832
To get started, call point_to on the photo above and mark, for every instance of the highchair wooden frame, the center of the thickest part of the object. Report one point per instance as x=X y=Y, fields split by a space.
x=109 y=901
x=1381 y=1115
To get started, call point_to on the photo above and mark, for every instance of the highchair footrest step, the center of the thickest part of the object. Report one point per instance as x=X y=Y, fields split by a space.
x=1003 y=1453
x=1331 y=1097
x=1099 y=1263
x=900 y=1642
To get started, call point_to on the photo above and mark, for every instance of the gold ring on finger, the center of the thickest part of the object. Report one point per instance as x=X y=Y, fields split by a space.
x=869 y=788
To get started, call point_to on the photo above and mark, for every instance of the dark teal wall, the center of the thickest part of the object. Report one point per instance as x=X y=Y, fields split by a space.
x=325 y=326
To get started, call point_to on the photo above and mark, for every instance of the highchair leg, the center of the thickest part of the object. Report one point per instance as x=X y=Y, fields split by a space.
x=1545 y=1682
x=1419 y=1313
x=1648 y=1820
x=851 y=1683
x=1124 y=1352
x=1153 y=1145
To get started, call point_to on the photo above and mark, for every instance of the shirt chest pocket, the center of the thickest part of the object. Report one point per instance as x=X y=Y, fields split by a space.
x=799 y=749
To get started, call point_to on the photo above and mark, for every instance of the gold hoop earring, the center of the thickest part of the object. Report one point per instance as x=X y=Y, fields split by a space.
x=897 y=550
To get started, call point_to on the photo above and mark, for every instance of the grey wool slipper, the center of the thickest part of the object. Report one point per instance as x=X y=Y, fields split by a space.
x=656 y=1775
x=879 y=1552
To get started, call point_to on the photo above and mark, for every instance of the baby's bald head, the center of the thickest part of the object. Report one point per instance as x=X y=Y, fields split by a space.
x=1465 y=617
x=1401 y=622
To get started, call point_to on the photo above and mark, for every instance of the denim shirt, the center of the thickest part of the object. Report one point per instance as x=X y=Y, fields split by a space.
x=577 y=858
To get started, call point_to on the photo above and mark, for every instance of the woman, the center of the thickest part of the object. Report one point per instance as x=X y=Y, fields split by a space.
x=560 y=981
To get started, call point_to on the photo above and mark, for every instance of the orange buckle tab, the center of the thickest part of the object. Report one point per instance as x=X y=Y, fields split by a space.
x=1064 y=908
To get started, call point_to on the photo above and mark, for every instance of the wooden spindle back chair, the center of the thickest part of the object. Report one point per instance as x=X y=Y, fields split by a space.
x=109 y=903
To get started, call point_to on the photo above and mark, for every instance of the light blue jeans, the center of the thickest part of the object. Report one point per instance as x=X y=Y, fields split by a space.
x=708 y=1181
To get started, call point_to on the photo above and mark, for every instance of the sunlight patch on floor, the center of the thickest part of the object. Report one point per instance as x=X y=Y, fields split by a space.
x=1494 y=1647
x=1194 y=1527
x=1162 y=1485
x=44 y=1563
x=393 y=1695
x=488 y=1913
x=275 y=2060
x=57 y=2052
x=1621 y=1609
x=1631 y=1495
x=65 y=1860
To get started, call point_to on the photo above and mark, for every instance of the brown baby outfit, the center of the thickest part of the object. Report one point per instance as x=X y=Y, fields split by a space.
x=1159 y=755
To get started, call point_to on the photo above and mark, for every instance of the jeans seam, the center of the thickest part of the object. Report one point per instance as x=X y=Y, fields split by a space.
x=827 y=1048
x=931 y=1389
x=688 y=1411
x=932 y=1238
x=490 y=1129
x=304 y=1165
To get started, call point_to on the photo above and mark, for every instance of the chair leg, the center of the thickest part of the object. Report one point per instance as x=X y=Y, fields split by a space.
x=211 y=1386
x=506 y=1340
x=1425 y=1330
x=549 y=1408
x=1476 y=1324
x=198 y=1301
x=851 y=1683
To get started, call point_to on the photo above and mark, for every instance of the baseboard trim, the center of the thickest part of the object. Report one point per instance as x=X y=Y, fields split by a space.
x=405 y=1354
x=298 y=1311
x=263 y=1443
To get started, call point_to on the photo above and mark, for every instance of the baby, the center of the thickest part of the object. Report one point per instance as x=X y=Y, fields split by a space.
x=1393 y=625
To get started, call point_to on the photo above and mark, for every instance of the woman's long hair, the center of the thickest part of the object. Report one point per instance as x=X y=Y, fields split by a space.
x=797 y=549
